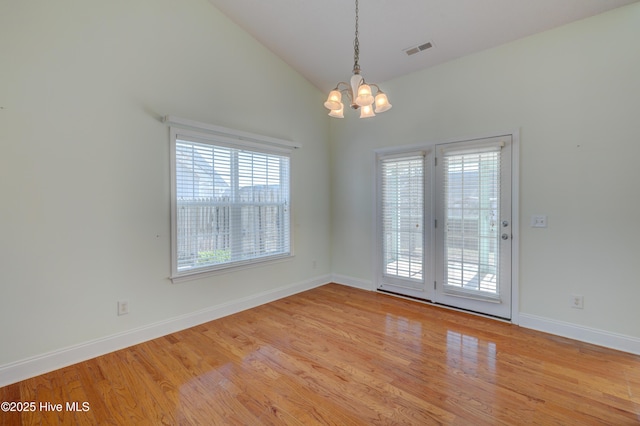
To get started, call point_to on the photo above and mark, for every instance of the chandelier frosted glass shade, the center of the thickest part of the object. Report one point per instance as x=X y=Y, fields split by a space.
x=367 y=111
x=337 y=113
x=365 y=98
x=334 y=100
x=382 y=103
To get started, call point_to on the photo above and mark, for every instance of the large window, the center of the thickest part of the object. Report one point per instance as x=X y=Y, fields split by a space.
x=231 y=203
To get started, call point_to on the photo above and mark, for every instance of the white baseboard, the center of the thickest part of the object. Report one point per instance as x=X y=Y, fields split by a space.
x=353 y=282
x=607 y=339
x=50 y=361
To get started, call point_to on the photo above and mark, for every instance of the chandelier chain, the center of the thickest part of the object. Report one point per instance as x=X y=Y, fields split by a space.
x=356 y=47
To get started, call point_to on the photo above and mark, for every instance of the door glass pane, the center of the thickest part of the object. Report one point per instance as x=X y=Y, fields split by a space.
x=402 y=217
x=471 y=200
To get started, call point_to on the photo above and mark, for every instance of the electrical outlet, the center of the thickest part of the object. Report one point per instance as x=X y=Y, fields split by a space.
x=577 y=301
x=123 y=307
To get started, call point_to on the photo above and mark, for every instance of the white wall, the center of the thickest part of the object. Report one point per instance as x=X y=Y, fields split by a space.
x=84 y=162
x=574 y=93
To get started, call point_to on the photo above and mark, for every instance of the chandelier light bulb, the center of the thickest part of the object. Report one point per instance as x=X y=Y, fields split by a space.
x=365 y=98
x=337 y=113
x=367 y=111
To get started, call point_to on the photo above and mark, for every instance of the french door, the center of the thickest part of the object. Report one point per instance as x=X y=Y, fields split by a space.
x=402 y=218
x=444 y=224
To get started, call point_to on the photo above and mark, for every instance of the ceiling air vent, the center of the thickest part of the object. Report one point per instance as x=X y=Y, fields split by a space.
x=416 y=49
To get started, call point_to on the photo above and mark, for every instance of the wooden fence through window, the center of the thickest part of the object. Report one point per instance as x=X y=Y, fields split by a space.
x=220 y=229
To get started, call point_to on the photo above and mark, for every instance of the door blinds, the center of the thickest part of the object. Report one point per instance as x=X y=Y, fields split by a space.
x=402 y=210
x=471 y=195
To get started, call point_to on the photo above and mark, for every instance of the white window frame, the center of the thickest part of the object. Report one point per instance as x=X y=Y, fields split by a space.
x=220 y=136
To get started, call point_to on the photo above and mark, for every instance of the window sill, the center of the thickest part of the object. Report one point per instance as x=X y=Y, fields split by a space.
x=218 y=270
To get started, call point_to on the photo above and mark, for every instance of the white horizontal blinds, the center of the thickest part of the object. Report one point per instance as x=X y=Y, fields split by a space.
x=263 y=199
x=471 y=234
x=232 y=205
x=402 y=208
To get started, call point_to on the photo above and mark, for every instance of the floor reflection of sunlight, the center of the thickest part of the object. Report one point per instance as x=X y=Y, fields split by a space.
x=462 y=352
x=469 y=354
x=400 y=327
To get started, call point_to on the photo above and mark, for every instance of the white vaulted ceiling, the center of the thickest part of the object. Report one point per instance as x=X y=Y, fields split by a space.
x=316 y=36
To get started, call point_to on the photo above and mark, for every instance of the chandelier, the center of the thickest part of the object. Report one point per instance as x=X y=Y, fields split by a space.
x=358 y=90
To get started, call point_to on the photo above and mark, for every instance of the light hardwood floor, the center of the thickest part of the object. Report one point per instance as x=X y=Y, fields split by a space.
x=341 y=356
